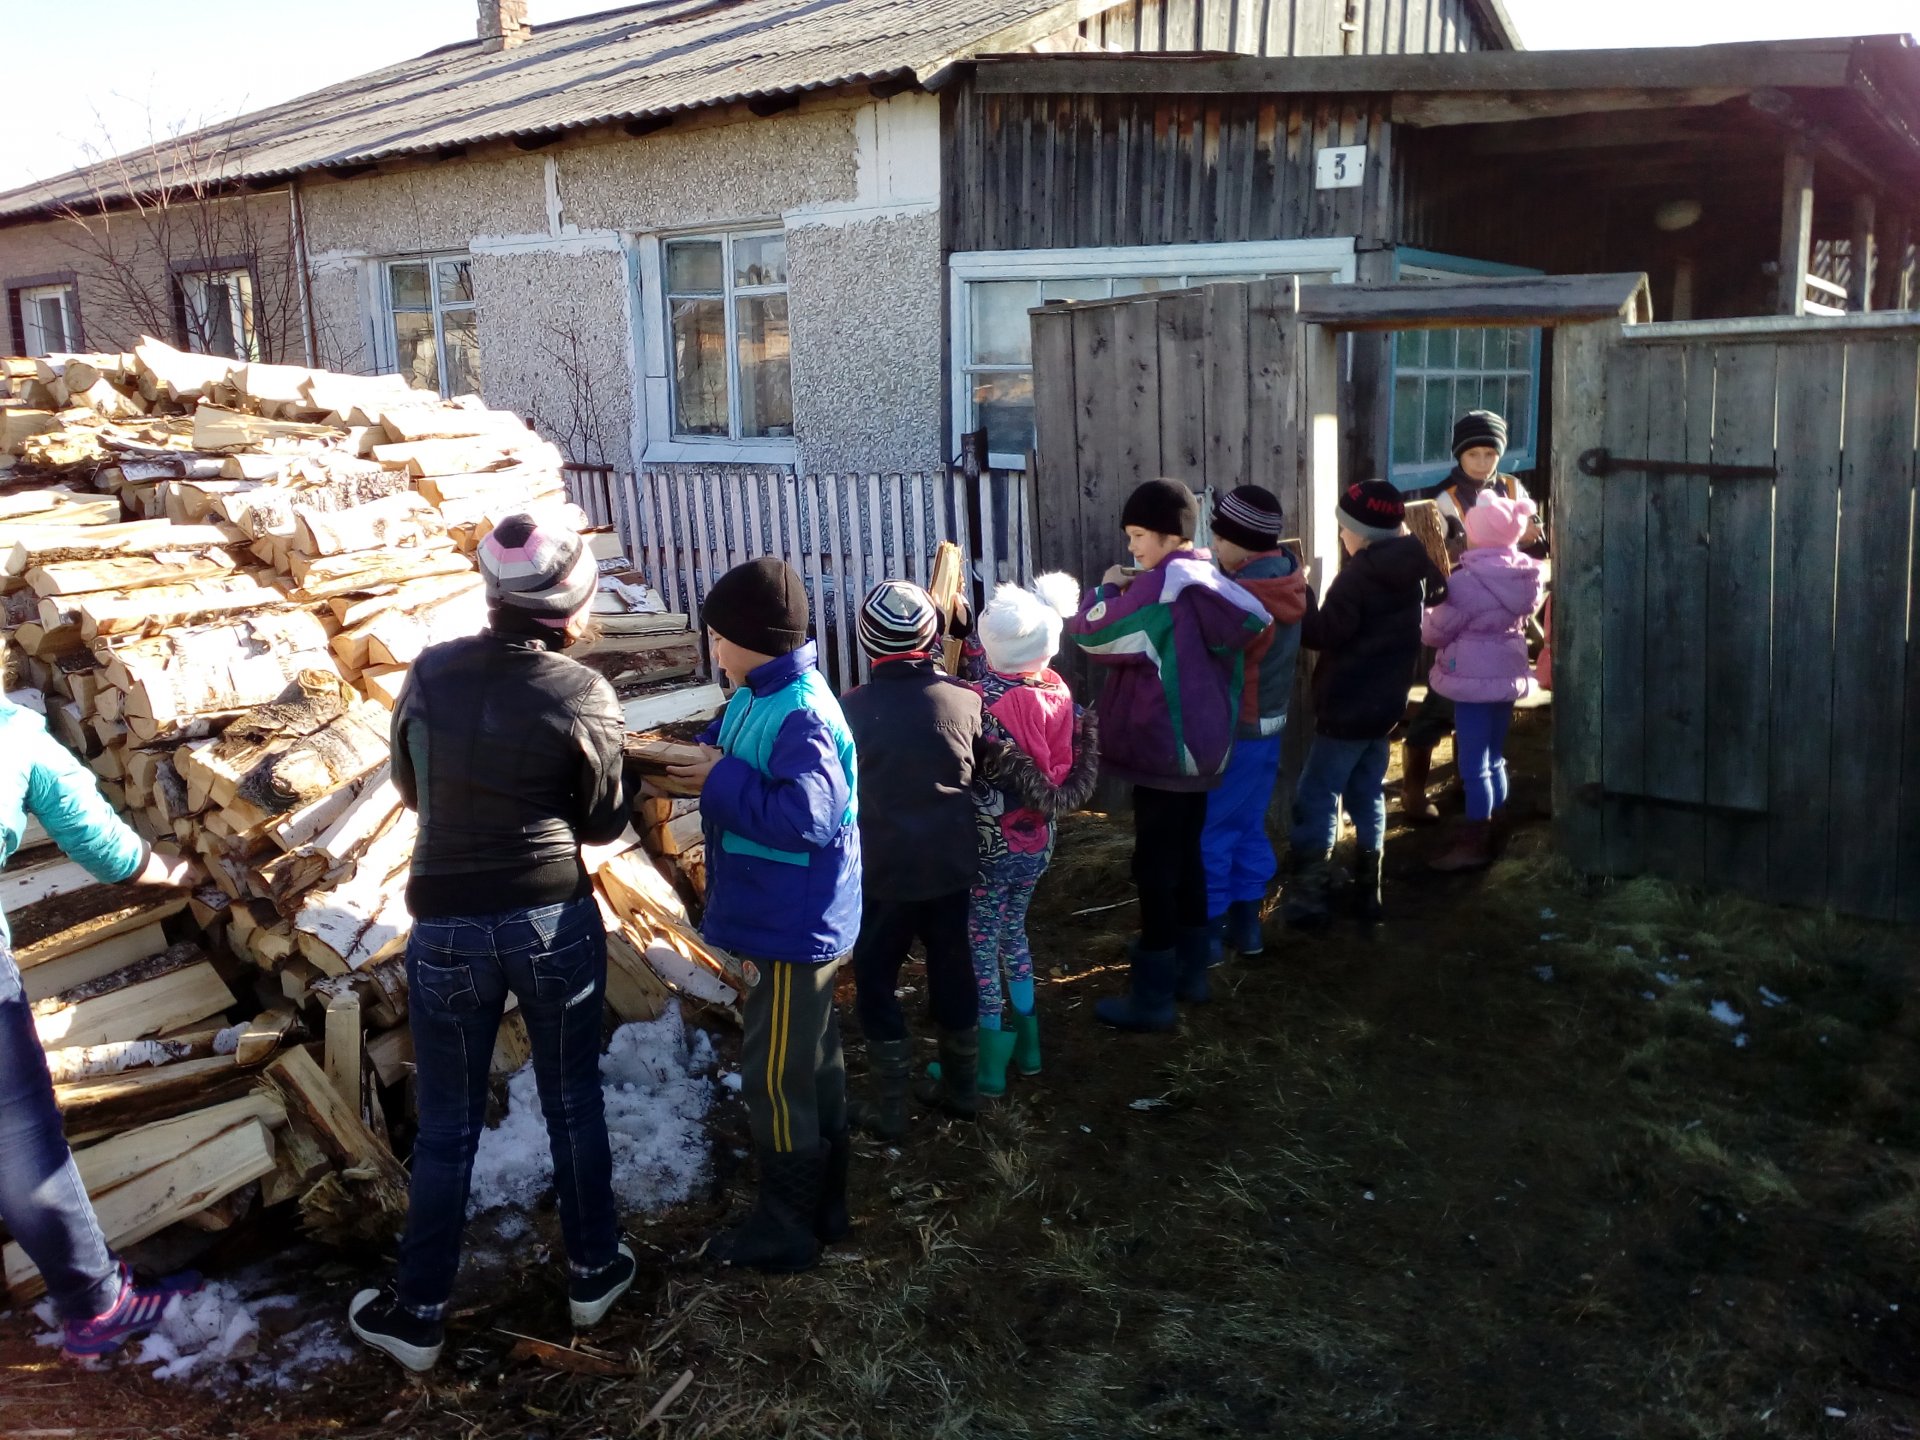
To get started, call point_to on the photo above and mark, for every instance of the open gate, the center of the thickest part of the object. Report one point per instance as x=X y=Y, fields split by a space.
x=1737 y=686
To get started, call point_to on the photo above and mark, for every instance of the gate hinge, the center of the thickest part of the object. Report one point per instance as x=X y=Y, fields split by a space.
x=1602 y=462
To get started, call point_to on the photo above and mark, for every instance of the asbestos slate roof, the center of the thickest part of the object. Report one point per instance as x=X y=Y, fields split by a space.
x=648 y=59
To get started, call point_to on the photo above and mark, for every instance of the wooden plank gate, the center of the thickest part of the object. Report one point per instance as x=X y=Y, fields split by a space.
x=1736 y=629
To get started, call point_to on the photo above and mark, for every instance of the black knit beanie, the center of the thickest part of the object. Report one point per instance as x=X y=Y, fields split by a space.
x=1250 y=517
x=1479 y=427
x=759 y=605
x=1372 y=509
x=1165 y=507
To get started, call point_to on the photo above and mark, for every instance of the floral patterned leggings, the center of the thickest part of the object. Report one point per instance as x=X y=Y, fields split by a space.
x=997 y=931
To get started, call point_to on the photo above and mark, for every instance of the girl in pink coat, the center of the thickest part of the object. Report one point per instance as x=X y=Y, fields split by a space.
x=1479 y=632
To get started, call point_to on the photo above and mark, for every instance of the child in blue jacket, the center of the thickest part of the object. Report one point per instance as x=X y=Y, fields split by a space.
x=779 y=801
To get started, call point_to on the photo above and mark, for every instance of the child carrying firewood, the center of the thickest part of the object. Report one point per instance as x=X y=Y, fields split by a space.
x=779 y=797
x=1171 y=635
x=1044 y=765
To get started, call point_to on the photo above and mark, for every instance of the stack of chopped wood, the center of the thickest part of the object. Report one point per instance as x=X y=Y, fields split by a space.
x=224 y=660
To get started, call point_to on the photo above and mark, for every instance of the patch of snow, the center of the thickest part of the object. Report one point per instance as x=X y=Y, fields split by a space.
x=1625 y=950
x=1723 y=1012
x=1666 y=977
x=1740 y=1042
x=1648 y=995
x=1769 y=999
x=1834 y=1412
x=1550 y=938
x=655 y=1080
x=1543 y=972
x=1148 y=1103
x=1366 y=1194
x=1547 y=915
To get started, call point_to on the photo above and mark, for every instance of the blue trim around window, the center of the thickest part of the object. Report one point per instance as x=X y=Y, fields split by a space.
x=1413 y=477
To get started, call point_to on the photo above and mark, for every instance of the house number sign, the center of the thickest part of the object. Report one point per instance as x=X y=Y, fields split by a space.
x=1339 y=167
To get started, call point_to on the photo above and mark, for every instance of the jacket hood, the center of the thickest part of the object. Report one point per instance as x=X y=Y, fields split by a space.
x=1513 y=579
x=781 y=671
x=1278 y=582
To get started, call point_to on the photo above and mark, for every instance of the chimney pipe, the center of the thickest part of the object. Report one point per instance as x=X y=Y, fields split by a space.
x=503 y=24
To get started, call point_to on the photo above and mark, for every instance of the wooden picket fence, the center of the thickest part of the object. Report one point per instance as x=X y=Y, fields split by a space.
x=686 y=527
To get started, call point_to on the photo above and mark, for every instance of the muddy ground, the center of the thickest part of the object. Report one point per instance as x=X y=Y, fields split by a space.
x=1500 y=1169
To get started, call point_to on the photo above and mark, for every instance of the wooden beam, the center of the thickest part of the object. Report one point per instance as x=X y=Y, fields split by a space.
x=765 y=105
x=1796 y=228
x=1519 y=300
x=1812 y=64
x=1862 y=258
x=1889 y=281
x=1505 y=107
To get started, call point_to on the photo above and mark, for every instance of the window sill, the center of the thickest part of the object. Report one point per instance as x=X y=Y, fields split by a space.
x=722 y=452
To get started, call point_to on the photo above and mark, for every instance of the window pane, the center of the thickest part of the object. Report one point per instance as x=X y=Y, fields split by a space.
x=409 y=287
x=699 y=367
x=1001 y=335
x=53 y=325
x=1003 y=407
x=216 y=319
x=1439 y=421
x=456 y=283
x=1466 y=396
x=1411 y=347
x=414 y=350
x=1440 y=349
x=695 y=267
x=1095 y=289
x=760 y=260
x=1132 y=284
x=1468 y=354
x=462 y=331
x=1407 y=413
x=1519 y=412
x=766 y=382
x=1520 y=349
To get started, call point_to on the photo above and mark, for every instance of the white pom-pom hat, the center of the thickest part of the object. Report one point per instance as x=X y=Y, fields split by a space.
x=1020 y=628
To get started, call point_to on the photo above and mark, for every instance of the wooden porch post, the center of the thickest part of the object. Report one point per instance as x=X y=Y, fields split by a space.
x=1796 y=228
x=1890 y=275
x=1860 y=288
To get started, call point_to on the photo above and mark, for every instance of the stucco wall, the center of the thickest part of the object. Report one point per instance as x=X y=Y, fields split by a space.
x=554 y=347
x=712 y=173
x=440 y=207
x=866 y=301
x=124 y=264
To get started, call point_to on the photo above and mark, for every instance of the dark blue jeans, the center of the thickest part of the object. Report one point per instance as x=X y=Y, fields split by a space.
x=1349 y=772
x=41 y=1197
x=458 y=974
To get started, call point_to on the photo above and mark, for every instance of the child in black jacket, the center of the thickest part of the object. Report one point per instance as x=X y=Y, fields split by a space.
x=1367 y=630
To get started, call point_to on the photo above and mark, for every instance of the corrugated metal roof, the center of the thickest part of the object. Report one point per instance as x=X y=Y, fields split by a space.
x=643 y=60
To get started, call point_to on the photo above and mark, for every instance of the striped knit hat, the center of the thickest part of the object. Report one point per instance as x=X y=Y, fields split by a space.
x=1250 y=517
x=545 y=572
x=898 y=618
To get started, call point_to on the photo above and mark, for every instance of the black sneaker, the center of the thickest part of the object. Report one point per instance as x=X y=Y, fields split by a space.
x=378 y=1318
x=589 y=1297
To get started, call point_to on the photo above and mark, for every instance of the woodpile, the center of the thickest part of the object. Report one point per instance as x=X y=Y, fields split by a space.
x=214 y=577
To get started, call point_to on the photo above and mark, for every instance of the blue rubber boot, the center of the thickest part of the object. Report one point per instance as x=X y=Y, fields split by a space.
x=1243 y=927
x=1148 y=1005
x=1193 y=952
x=1217 y=938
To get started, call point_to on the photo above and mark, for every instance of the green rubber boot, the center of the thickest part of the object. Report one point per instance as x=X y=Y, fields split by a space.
x=996 y=1049
x=1026 y=1044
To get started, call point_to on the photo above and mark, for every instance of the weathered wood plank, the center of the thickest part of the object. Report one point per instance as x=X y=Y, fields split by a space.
x=1679 y=426
x=1137 y=357
x=1806 y=506
x=1181 y=321
x=1056 y=442
x=1872 y=650
x=1579 y=401
x=1739 y=610
x=1623 y=594
x=1513 y=300
x=1228 y=374
x=1097 y=386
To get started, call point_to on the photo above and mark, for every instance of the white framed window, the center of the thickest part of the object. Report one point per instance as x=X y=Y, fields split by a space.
x=47 y=320
x=729 y=351
x=432 y=323
x=218 y=305
x=992 y=291
x=1439 y=375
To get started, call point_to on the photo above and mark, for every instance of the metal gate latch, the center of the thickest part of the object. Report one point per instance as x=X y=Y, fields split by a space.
x=1601 y=462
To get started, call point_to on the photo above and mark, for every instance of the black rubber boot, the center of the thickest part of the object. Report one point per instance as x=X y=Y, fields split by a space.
x=954 y=1082
x=830 y=1222
x=1310 y=876
x=777 y=1235
x=885 y=1118
x=1194 y=954
x=1367 y=902
x=1148 y=1003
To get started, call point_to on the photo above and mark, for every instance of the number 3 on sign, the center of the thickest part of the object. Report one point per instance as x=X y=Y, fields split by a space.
x=1340 y=167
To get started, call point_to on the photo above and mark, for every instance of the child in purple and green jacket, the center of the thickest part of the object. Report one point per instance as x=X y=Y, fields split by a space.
x=1171 y=636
